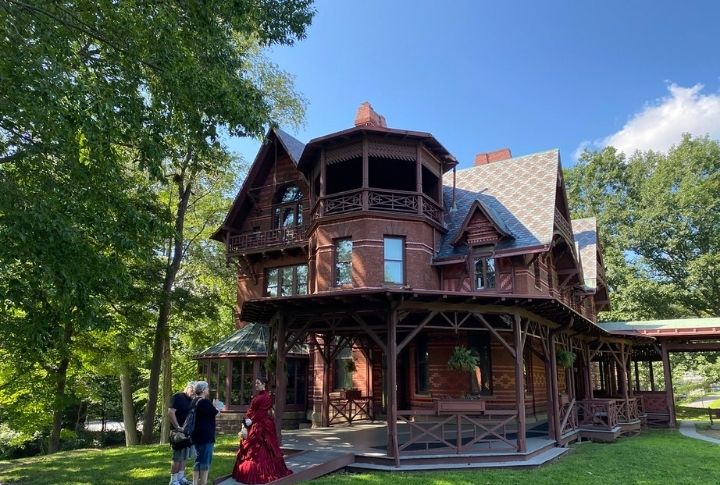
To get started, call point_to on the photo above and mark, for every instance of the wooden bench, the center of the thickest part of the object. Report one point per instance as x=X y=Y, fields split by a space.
x=714 y=414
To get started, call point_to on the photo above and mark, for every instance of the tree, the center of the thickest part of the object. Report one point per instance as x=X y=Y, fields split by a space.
x=91 y=94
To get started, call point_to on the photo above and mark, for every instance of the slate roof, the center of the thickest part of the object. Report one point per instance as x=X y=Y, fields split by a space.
x=249 y=340
x=521 y=191
x=585 y=234
x=293 y=146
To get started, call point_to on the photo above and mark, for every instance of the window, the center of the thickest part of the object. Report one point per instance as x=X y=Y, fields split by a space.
x=481 y=382
x=243 y=379
x=296 y=383
x=484 y=273
x=343 y=376
x=343 y=262
x=286 y=281
x=422 y=358
x=288 y=208
x=394 y=272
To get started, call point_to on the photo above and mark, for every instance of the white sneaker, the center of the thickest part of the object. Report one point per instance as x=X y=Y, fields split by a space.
x=184 y=481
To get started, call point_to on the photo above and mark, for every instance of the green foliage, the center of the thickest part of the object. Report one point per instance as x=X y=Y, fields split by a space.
x=463 y=359
x=565 y=358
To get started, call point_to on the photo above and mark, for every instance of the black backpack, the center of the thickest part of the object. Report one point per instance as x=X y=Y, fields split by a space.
x=183 y=439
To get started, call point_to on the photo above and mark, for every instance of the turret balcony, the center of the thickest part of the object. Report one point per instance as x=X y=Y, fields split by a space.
x=273 y=239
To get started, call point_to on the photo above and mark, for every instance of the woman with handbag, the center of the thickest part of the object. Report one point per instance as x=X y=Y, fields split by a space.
x=259 y=459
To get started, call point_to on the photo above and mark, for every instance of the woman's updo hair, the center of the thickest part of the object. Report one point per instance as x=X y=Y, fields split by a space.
x=264 y=380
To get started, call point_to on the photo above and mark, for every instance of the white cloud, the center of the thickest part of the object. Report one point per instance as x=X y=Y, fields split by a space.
x=660 y=125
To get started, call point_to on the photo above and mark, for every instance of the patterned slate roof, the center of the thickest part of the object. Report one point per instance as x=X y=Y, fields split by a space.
x=520 y=191
x=293 y=146
x=249 y=340
x=585 y=234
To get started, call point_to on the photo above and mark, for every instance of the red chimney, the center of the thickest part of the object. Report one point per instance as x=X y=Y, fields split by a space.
x=366 y=116
x=490 y=157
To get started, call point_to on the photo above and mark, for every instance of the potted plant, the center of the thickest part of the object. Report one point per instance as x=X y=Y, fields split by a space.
x=565 y=358
x=463 y=359
x=350 y=366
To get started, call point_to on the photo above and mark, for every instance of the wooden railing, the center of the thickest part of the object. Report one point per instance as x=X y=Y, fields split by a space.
x=568 y=417
x=396 y=201
x=630 y=412
x=457 y=431
x=598 y=413
x=279 y=237
x=349 y=409
x=653 y=407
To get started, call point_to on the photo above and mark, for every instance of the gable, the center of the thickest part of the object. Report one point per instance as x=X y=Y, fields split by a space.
x=481 y=226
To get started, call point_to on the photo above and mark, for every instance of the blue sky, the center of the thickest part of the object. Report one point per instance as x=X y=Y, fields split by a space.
x=529 y=75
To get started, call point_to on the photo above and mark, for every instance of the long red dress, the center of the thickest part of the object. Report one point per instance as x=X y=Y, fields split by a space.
x=259 y=459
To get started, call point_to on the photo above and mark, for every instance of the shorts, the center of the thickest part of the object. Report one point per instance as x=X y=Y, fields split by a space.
x=184 y=455
x=204 y=456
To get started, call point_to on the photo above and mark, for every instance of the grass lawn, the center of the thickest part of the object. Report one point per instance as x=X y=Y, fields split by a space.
x=657 y=456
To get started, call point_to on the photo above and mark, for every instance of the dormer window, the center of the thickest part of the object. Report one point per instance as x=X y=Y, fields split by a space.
x=287 y=210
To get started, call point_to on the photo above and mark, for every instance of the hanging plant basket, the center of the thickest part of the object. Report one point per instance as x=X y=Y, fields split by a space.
x=350 y=366
x=565 y=358
x=463 y=359
x=270 y=363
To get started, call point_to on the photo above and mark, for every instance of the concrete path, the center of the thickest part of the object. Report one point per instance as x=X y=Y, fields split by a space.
x=687 y=428
x=703 y=401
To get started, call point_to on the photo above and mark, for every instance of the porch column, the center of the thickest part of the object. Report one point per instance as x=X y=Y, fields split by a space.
x=325 y=418
x=392 y=443
x=625 y=381
x=652 y=375
x=554 y=401
x=668 y=384
x=589 y=392
x=520 y=384
x=280 y=375
x=637 y=377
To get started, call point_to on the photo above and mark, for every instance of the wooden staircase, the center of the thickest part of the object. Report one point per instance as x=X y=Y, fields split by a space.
x=306 y=465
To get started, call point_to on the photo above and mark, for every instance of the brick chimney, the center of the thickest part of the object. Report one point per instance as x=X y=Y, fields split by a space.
x=491 y=157
x=366 y=116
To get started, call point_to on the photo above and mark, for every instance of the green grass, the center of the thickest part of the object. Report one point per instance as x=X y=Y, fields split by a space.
x=654 y=457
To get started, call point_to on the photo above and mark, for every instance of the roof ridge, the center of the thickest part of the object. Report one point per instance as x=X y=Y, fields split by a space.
x=514 y=159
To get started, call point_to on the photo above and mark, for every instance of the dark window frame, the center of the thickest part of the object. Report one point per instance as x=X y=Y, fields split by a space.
x=294 y=285
x=279 y=208
x=488 y=283
x=401 y=261
x=481 y=344
x=342 y=378
x=337 y=262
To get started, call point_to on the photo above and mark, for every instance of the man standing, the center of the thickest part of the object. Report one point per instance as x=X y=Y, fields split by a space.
x=180 y=406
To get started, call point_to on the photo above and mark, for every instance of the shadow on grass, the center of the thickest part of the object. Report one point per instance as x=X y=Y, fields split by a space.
x=115 y=466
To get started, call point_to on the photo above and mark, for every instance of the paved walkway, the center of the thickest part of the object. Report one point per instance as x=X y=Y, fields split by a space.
x=687 y=428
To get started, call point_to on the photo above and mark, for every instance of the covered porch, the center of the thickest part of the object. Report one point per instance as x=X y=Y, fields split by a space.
x=535 y=403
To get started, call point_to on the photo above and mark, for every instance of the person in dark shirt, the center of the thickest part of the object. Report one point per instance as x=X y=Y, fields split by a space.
x=203 y=437
x=178 y=410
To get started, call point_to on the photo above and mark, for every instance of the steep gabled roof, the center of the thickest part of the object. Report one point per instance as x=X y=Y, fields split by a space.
x=292 y=147
x=250 y=340
x=585 y=234
x=495 y=220
x=520 y=191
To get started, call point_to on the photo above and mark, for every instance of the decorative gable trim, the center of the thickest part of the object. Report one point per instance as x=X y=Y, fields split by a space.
x=481 y=226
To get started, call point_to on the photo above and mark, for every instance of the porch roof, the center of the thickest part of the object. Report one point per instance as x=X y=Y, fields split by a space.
x=681 y=327
x=339 y=303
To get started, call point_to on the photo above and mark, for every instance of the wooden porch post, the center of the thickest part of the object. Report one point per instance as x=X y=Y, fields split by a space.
x=625 y=380
x=589 y=393
x=652 y=376
x=668 y=384
x=520 y=384
x=637 y=376
x=325 y=418
x=392 y=444
x=280 y=375
x=554 y=401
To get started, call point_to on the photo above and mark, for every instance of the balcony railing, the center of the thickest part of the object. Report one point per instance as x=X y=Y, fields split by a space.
x=280 y=237
x=395 y=201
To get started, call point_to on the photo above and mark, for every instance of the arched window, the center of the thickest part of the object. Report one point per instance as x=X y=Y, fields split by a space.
x=287 y=210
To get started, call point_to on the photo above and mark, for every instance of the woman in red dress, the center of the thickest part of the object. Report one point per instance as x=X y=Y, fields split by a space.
x=259 y=459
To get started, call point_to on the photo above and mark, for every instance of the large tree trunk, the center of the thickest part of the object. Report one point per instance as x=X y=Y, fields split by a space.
x=131 y=435
x=60 y=382
x=167 y=390
x=166 y=304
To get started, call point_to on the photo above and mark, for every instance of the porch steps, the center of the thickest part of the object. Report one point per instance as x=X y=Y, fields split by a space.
x=531 y=462
x=306 y=465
